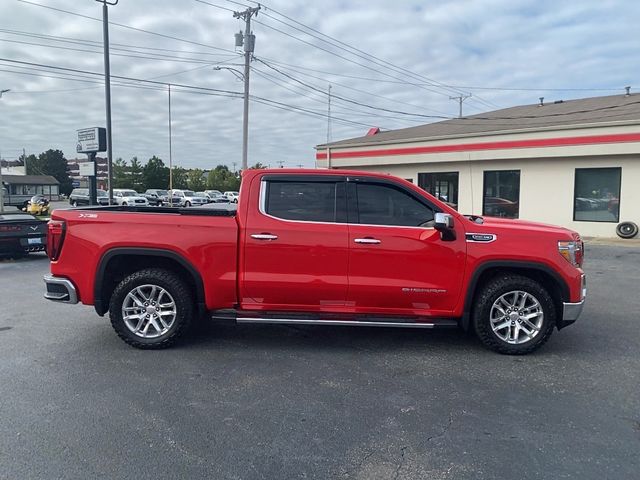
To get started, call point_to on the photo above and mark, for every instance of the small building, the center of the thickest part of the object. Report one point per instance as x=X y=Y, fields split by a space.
x=574 y=163
x=20 y=188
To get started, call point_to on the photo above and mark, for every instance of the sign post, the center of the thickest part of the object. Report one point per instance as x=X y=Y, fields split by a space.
x=91 y=141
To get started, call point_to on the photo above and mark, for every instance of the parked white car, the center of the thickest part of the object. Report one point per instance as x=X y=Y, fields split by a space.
x=189 y=198
x=129 y=197
x=232 y=196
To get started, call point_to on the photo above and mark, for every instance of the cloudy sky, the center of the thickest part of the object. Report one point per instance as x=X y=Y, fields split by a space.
x=390 y=64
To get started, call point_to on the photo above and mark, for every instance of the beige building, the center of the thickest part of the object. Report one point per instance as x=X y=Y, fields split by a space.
x=574 y=163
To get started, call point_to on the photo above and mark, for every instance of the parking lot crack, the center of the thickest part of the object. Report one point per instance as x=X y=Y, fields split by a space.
x=445 y=429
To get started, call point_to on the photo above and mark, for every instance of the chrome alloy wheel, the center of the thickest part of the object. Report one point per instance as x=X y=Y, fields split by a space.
x=149 y=311
x=516 y=317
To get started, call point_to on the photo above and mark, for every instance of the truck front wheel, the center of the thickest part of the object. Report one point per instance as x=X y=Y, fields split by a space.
x=151 y=308
x=513 y=314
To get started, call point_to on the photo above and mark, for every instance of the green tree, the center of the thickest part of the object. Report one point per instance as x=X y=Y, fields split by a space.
x=51 y=162
x=221 y=178
x=33 y=165
x=180 y=178
x=195 y=180
x=155 y=174
x=135 y=174
x=121 y=177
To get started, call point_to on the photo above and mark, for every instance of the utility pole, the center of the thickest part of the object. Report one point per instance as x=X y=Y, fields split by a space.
x=107 y=91
x=281 y=163
x=329 y=128
x=248 y=41
x=461 y=98
x=1 y=181
x=170 y=154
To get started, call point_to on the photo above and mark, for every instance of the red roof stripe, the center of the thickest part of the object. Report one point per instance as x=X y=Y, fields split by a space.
x=506 y=144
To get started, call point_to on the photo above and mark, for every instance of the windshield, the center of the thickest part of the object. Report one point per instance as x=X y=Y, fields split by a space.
x=102 y=193
x=129 y=193
x=201 y=194
x=160 y=192
x=189 y=193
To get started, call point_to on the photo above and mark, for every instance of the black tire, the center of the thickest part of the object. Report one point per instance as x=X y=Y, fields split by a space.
x=174 y=285
x=491 y=292
x=124 y=204
x=627 y=230
x=187 y=204
x=74 y=204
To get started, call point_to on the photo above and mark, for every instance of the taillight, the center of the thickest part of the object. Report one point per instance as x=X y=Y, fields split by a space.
x=55 y=237
x=10 y=228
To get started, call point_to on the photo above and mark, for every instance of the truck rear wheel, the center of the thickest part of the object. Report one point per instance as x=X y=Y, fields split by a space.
x=151 y=308
x=514 y=315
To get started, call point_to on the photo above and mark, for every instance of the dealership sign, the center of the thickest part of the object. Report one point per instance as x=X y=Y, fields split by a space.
x=91 y=140
x=87 y=169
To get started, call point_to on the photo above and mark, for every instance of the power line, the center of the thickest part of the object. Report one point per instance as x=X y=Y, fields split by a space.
x=300 y=91
x=144 y=57
x=371 y=94
x=128 y=27
x=347 y=99
x=113 y=46
x=369 y=57
x=155 y=82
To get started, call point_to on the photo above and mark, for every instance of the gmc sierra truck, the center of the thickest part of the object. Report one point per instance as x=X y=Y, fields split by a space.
x=322 y=247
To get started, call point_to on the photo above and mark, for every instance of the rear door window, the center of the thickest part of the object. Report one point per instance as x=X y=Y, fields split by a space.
x=306 y=201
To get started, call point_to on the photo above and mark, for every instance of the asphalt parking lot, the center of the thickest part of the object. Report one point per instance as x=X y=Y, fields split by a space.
x=275 y=402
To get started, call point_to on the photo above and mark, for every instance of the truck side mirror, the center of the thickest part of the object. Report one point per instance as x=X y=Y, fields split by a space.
x=443 y=222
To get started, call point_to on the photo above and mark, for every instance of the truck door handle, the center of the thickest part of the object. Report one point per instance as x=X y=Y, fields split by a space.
x=264 y=236
x=367 y=240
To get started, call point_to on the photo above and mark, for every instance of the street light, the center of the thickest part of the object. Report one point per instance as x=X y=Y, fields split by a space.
x=1 y=181
x=243 y=77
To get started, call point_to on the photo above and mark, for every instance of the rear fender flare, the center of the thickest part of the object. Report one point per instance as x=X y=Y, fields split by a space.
x=101 y=305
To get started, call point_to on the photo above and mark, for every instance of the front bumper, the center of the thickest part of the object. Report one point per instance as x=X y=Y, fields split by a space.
x=60 y=289
x=571 y=311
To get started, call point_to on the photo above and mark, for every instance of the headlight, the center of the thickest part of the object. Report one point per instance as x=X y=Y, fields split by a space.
x=572 y=251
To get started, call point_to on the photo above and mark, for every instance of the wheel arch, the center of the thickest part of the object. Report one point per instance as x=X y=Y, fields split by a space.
x=545 y=275
x=117 y=263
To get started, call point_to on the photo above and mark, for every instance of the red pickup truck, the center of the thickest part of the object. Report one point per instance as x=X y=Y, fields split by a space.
x=330 y=247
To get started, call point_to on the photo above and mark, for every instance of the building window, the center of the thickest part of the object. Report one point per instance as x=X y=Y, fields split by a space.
x=597 y=195
x=442 y=185
x=501 y=193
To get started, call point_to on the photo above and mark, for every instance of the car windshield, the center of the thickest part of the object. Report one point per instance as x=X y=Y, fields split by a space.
x=189 y=193
x=201 y=194
x=102 y=193
x=160 y=192
x=129 y=193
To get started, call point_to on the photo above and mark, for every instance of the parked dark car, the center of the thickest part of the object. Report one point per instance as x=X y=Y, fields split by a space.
x=153 y=198
x=80 y=196
x=21 y=233
x=163 y=195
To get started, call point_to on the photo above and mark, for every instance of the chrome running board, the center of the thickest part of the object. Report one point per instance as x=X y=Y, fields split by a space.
x=350 y=323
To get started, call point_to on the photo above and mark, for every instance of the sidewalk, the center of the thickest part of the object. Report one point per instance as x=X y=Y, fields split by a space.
x=617 y=241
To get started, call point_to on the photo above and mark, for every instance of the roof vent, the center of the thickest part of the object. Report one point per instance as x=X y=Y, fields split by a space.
x=628 y=89
x=541 y=102
x=558 y=101
x=373 y=131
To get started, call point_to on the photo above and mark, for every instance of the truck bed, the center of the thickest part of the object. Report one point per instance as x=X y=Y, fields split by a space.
x=219 y=210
